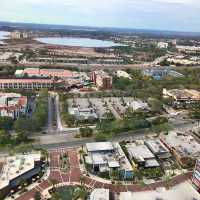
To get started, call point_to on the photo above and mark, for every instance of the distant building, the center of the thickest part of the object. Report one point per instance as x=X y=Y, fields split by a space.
x=100 y=194
x=182 y=97
x=18 y=35
x=123 y=74
x=196 y=176
x=36 y=72
x=108 y=156
x=158 y=74
x=18 y=167
x=83 y=113
x=184 y=148
x=27 y=84
x=138 y=105
x=12 y=105
x=162 y=45
x=102 y=80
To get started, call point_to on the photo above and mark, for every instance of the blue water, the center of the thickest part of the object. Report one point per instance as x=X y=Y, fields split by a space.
x=78 y=42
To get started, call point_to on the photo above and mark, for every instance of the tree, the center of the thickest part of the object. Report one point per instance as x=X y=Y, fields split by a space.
x=86 y=132
x=37 y=196
x=4 y=137
x=6 y=123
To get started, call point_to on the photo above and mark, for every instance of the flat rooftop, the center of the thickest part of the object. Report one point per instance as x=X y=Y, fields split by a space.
x=99 y=146
x=156 y=146
x=183 y=191
x=100 y=194
x=14 y=166
x=185 y=145
x=139 y=151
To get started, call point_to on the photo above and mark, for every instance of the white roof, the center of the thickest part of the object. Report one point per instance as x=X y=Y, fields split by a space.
x=99 y=146
x=184 y=144
x=100 y=194
x=139 y=151
x=138 y=105
x=17 y=165
x=19 y=72
x=152 y=163
x=113 y=164
x=183 y=191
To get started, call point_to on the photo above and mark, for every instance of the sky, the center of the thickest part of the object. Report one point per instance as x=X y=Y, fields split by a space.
x=177 y=15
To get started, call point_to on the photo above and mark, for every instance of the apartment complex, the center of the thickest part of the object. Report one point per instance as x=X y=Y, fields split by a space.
x=102 y=80
x=12 y=105
x=18 y=167
x=184 y=148
x=37 y=72
x=27 y=84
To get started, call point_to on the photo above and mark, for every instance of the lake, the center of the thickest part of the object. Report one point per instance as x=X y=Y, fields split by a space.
x=78 y=42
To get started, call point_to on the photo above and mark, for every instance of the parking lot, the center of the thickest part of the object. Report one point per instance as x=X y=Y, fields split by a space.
x=116 y=105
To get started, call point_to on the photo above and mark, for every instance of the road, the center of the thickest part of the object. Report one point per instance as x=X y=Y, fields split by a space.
x=50 y=114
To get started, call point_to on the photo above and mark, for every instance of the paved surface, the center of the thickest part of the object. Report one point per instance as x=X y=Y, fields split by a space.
x=73 y=175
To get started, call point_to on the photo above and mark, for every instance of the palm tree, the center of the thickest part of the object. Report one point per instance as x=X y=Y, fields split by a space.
x=53 y=182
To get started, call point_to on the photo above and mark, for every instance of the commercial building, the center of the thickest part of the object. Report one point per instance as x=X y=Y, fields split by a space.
x=182 y=97
x=102 y=80
x=158 y=148
x=12 y=105
x=158 y=74
x=141 y=155
x=27 y=84
x=107 y=157
x=123 y=74
x=196 y=176
x=184 y=148
x=100 y=194
x=17 y=168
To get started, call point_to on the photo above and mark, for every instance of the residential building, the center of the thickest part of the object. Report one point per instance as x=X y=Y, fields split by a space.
x=106 y=157
x=196 y=176
x=141 y=155
x=37 y=72
x=27 y=84
x=12 y=105
x=158 y=148
x=102 y=80
x=100 y=194
x=184 y=148
x=18 y=167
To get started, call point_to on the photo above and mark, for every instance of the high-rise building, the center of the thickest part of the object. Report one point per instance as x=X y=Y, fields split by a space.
x=196 y=176
x=102 y=80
